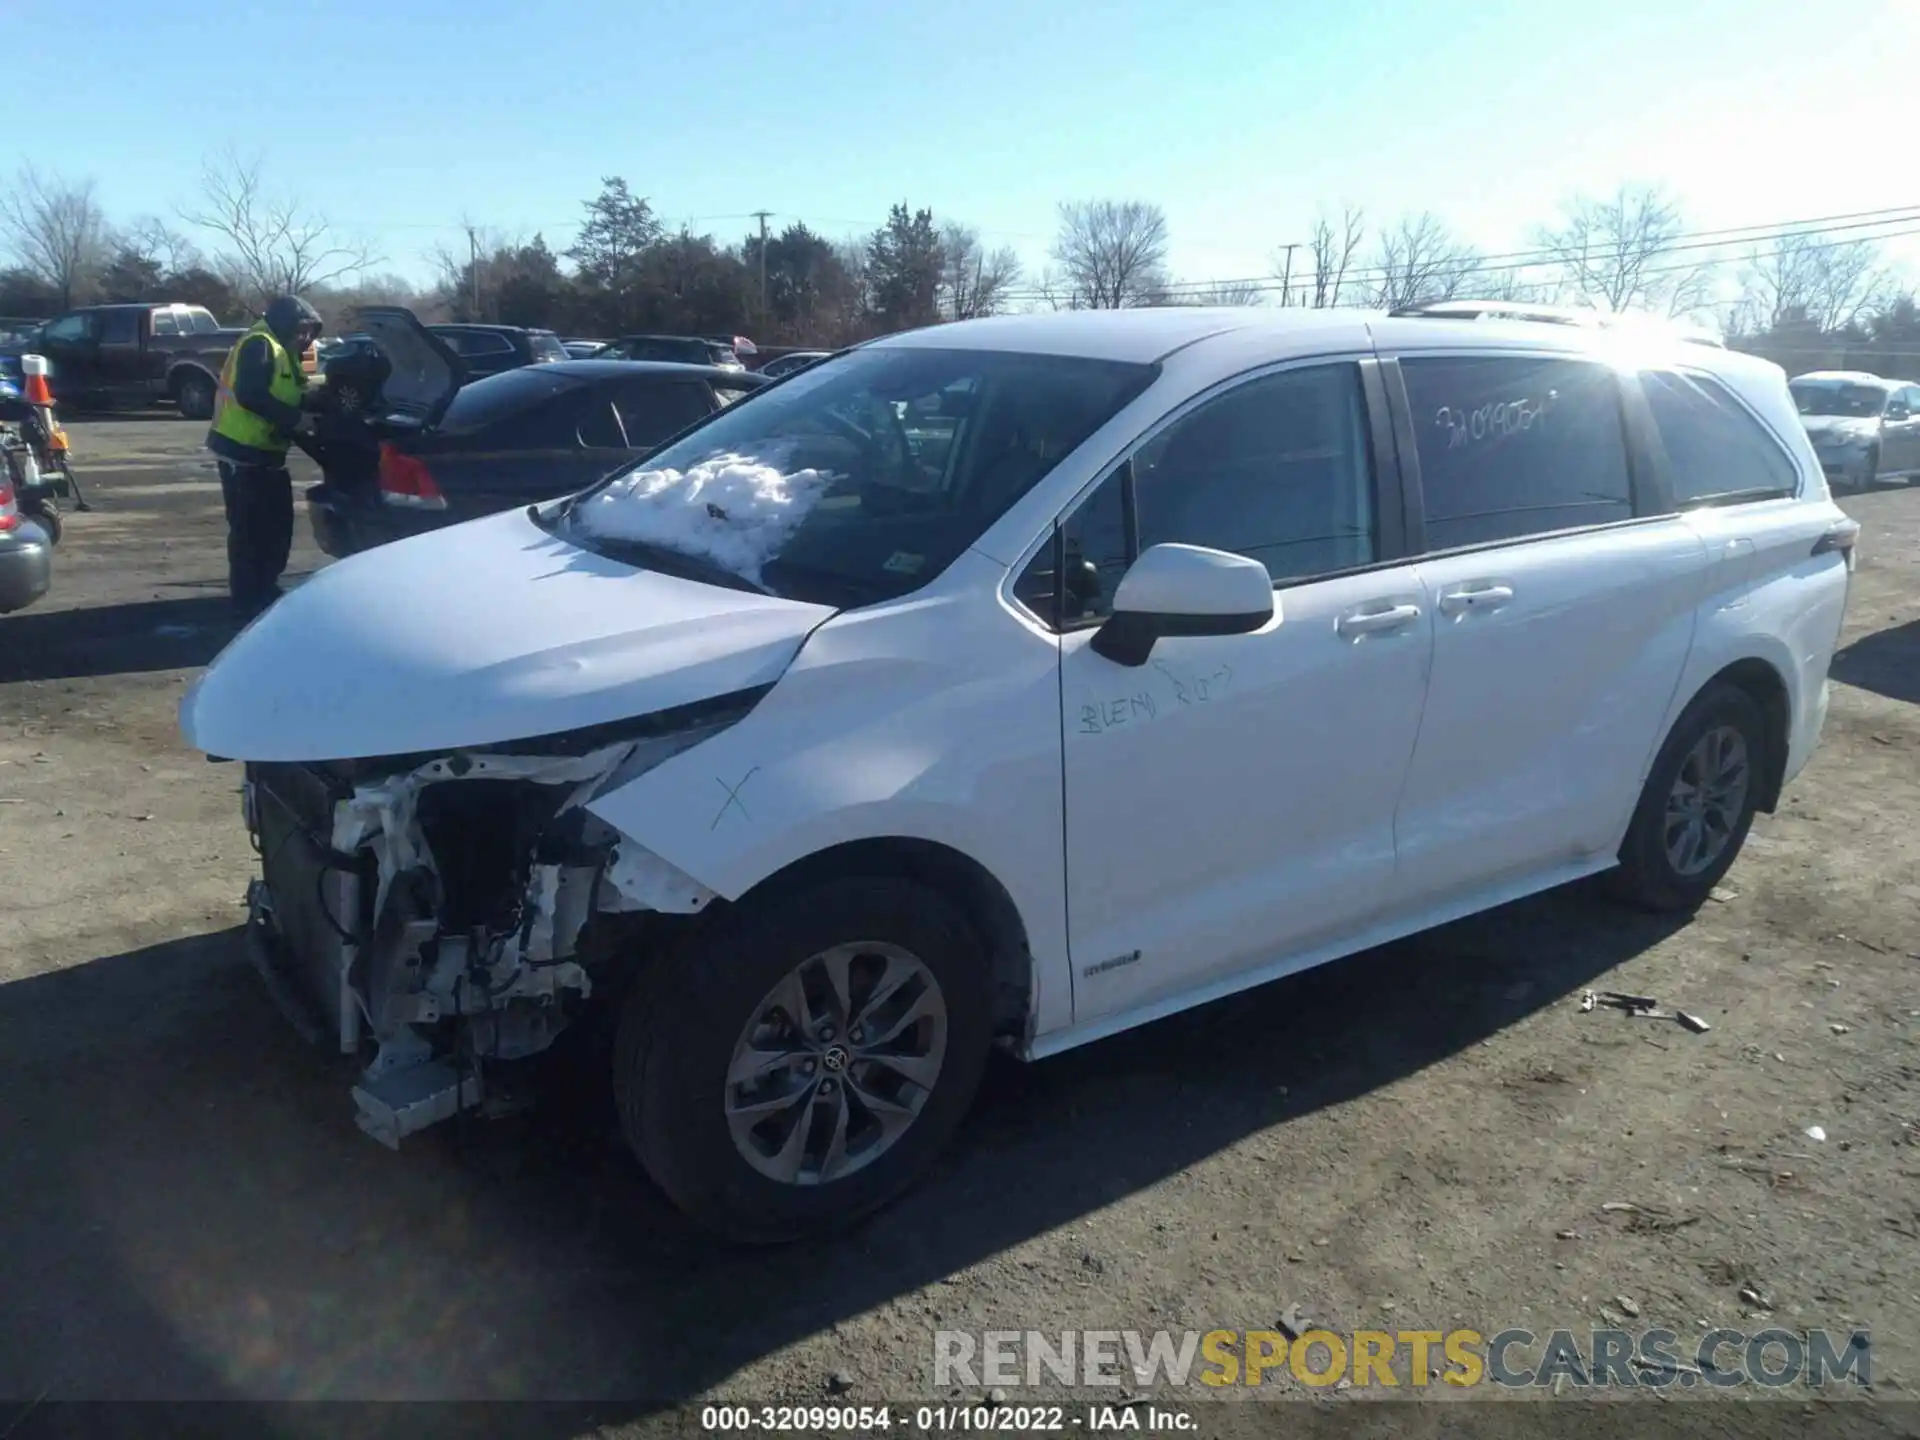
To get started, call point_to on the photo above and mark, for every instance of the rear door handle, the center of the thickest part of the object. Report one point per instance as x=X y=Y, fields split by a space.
x=1474 y=597
x=1377 y=622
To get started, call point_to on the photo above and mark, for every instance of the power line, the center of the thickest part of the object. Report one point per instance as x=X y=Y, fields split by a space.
x=1558 y=257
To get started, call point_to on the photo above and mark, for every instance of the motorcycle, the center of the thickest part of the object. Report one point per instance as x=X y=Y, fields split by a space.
x=35 y=449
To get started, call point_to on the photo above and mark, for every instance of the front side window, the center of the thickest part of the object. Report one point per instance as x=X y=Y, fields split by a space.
x=815 y=489
x=1276 y=469
x=652 y=412
x=599 y=427
x=1716 y=451
x=164 y=323
x=68 y=329
x=1072 y=580
x=201 y=320
x=1513 y=446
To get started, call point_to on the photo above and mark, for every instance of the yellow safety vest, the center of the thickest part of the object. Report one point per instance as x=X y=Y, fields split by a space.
x=241 y=425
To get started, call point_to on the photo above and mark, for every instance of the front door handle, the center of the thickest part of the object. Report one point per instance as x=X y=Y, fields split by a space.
x=1474 y=597
x=1377 y=622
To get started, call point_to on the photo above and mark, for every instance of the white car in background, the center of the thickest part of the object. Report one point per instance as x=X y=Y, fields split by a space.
x=1017 y=682
x=1864 y=428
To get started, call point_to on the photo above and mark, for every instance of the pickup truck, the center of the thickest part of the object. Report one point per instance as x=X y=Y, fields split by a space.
x=138 y=354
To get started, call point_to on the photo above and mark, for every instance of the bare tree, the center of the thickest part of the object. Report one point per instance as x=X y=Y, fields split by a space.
x=973 y=282
x=272 y=245
x=1618 y=253
x=54 y=229
x=1418 y=260
x=1332 y=250
x=153 y=239
x=1228 y=292
x=1814 y=278
x=1112 y=253
x=847 y=316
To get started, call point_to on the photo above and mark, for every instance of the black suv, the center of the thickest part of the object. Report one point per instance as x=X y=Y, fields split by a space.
x=490 y=349
x=673 y=349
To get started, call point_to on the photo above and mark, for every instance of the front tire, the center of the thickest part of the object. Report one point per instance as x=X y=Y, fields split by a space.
x=1697 y=806
x=1868 y=474
x=193 y=394
x=804 y=1059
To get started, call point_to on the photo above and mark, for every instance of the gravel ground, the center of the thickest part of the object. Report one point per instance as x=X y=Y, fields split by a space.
x=1423 y=1136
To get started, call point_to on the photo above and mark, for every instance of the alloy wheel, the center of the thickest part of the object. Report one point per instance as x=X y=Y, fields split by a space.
x=1707 y=800
x=836 y=1063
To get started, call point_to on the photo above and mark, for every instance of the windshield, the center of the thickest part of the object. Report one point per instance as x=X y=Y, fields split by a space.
x=863 y=477
x=546 y=346
x=1835 y=397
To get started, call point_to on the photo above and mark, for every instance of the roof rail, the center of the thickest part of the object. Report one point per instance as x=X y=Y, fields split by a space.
x=1581 y=315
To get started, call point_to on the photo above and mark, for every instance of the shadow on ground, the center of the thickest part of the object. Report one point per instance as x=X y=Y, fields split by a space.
x=190 y=1213
x=1886 y=662
x=131 y=638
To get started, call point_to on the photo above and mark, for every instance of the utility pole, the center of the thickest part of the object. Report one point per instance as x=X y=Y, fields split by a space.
x=473 y=267
x=761 y=216
x=1286 y=278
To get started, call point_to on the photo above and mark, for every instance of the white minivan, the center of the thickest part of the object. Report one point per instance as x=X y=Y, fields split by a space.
x=1013 y=683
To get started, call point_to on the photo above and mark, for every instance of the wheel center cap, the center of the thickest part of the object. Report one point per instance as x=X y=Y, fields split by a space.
x=835 y=1059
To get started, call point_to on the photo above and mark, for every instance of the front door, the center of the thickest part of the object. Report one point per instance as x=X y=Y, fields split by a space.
x=1231 y=801
x=121 y=352
x=70 y=342
x=1900 y=433
x=1560 y=623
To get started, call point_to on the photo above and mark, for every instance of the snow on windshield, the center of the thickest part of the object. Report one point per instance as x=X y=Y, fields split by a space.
x=733 y=509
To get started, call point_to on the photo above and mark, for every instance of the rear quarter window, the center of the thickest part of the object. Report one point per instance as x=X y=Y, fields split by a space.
x=1513 y=446
x=1716 y=451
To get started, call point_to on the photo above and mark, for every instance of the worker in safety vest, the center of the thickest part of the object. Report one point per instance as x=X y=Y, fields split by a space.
x=256 y=413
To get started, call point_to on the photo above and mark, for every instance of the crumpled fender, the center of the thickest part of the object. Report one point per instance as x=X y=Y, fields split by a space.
x=936 y=721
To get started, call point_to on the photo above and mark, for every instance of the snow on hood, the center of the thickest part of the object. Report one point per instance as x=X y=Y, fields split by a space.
x=733 y=509
x=479 y=634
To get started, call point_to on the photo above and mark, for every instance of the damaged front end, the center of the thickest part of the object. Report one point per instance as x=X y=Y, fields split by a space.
x=434 y=915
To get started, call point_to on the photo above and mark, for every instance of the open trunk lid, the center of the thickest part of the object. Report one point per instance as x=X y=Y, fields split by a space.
x=426 y=373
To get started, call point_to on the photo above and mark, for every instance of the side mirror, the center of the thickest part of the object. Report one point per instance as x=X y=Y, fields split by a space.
x=1898 y=412
x=1174 y=590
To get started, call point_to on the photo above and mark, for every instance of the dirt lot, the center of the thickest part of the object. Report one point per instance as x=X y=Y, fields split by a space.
x=1419 y=1137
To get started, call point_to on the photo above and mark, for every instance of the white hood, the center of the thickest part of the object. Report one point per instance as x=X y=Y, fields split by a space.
x=474 y=635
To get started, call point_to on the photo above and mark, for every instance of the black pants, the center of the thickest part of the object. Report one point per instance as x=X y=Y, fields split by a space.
x=259 y=502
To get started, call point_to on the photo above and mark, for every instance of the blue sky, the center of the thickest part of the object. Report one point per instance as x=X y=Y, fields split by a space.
x=1239 y=117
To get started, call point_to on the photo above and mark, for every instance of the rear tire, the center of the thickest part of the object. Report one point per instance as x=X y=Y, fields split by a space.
x=46 y=514
x=720 y=1129
x=1697 y=806
x=193 y=394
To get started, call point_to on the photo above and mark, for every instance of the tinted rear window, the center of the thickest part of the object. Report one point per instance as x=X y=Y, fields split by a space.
x=513 y=392
x=1513 y=446
x=1716 y=450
